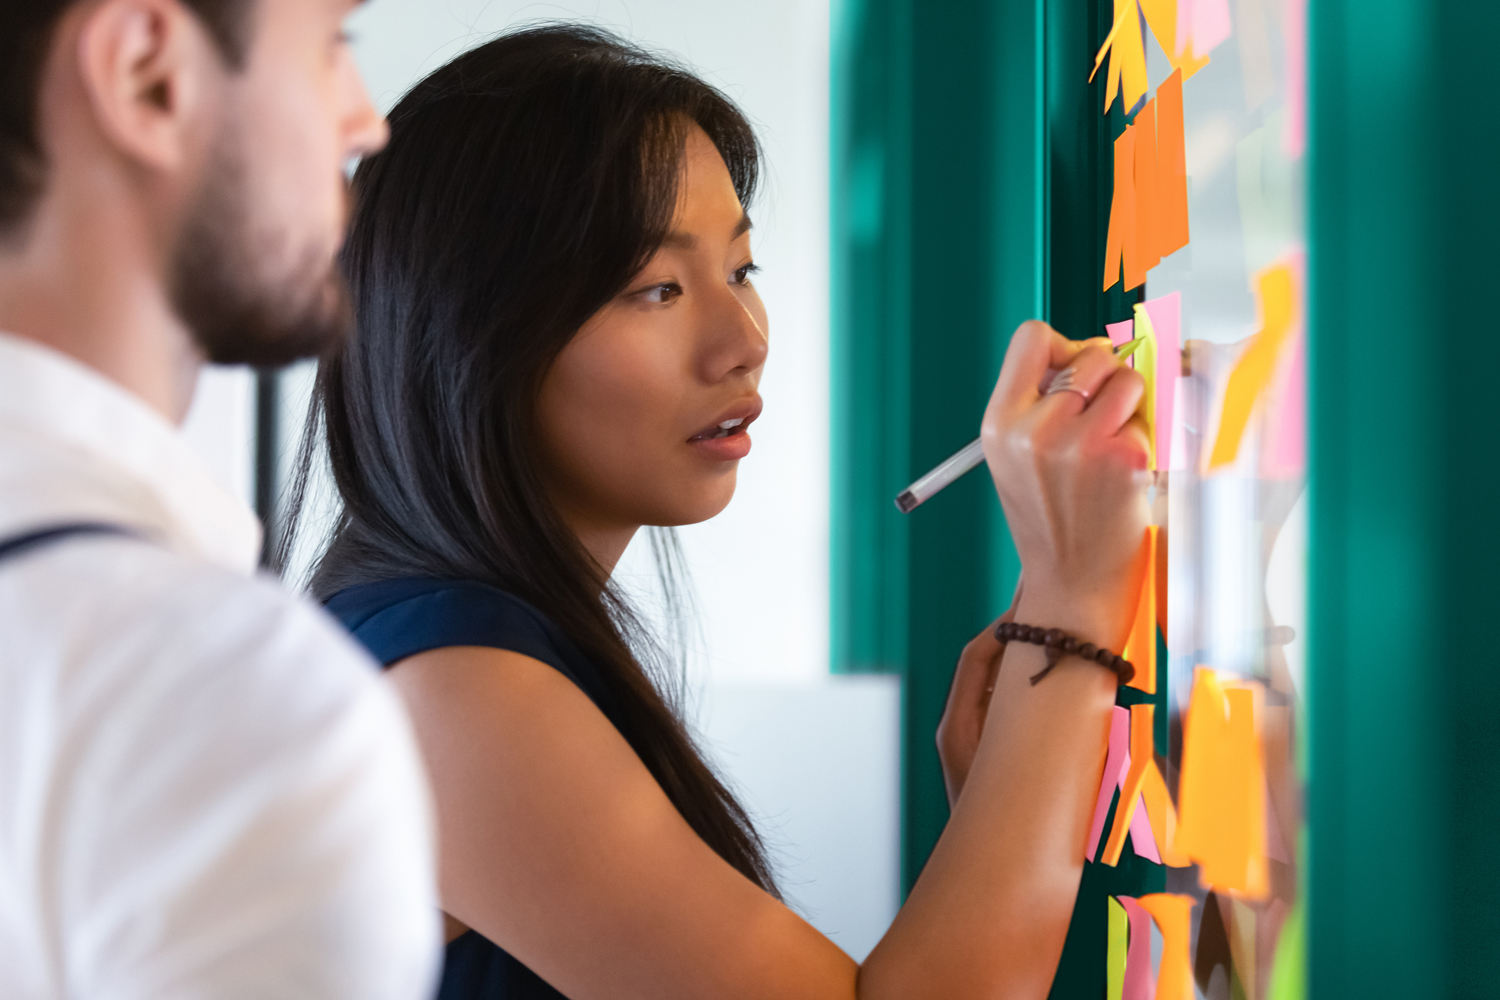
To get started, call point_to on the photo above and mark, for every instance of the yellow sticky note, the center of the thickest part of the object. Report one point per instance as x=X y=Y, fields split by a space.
x=1114 y=957
x=1142 y=756
x=1276 y=291
x=1126 y=48
x=1140 y=646
x=1173 y=915
x=1221 y=792
x=1145 y=363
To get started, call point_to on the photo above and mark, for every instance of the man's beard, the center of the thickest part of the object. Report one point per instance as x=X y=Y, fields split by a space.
x=246 y=299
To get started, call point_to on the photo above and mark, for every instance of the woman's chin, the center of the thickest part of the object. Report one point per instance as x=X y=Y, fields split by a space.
x=701 y=507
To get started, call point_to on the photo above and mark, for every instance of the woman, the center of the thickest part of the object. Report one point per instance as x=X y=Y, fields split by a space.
x=560 y=342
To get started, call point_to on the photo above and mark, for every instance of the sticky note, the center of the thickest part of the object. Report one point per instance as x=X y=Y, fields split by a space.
x=1147 y=211
x=1114 y=956
x=1140 y=981
x=1286 y=454
x=1122 y=332
x=1140 y=644
x=1222 y=788
x=1126 y=48
x=1161 y=18
x=1277 y=295
x=1165 y=315
x=1142 y=756
x=1141 y=836
x=1210 y=20
x=1172 y=914
x=1162 y=816
x=1120 y=240
x=1146 y=365
x=1171 y=159
x=1289 y=968
x=1183 y=56
x=1161 y=584
x=1116 y=760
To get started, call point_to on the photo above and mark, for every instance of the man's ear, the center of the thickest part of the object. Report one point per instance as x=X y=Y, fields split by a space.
x=149 y=71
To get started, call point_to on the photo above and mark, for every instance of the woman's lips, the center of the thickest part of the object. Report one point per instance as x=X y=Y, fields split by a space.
x=728 y=438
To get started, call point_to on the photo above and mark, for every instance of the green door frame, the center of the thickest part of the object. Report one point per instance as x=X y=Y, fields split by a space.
x=970 y=189
x=1404 y=797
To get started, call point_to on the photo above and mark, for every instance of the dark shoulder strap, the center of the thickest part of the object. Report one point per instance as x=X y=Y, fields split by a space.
x=10 y=547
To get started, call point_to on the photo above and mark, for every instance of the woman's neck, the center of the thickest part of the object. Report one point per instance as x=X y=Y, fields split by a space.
x=606 y=543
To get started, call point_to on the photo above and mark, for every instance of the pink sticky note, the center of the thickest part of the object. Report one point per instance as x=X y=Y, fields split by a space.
x=1141 y=835
x=1166 y=321
x=1121 y=333
x=1286 y=458
x=1140 y=984
x=1210 y=25
x=1294 y=135
x=1115 y=764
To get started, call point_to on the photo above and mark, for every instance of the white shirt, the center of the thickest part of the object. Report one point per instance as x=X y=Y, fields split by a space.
x=206 y=789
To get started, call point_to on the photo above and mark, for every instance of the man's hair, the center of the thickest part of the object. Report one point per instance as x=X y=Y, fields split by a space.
x=26 y=31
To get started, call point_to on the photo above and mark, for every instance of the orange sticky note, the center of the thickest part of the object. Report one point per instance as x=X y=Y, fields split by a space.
x=1173 y=914
x=1142 y=756
x=1121 y=239
x=1276 y=292
x=1161 y=587
x=1163 y=817
x=1222 y=823
x=1146 y=189
x=1140 y=645
x=1171 y=167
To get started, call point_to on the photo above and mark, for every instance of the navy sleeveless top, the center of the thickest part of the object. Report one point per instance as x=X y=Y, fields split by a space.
x=395 y=619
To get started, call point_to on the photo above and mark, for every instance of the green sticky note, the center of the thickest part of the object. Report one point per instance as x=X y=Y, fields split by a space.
x=1289 y=967
x=1119 y=931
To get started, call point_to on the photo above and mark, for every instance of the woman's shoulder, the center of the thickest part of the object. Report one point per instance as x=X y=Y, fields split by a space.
x=395 y=619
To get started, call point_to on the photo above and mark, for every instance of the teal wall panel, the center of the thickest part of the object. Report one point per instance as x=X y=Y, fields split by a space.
x=935 y=260
x=1404 y=798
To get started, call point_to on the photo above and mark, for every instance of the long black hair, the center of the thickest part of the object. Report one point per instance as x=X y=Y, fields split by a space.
x=524 y=185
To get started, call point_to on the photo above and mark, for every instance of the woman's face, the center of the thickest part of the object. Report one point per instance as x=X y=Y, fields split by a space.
x=645 y=414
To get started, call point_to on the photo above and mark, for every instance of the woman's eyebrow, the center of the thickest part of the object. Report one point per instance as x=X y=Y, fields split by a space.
x=679 y=240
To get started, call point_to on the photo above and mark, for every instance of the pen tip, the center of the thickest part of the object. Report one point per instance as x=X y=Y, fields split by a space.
x=907 y=502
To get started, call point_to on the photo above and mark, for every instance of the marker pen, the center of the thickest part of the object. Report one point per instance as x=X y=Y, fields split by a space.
x=970 y=457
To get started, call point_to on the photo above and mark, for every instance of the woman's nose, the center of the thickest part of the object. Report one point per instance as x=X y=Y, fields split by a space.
x=739 y=342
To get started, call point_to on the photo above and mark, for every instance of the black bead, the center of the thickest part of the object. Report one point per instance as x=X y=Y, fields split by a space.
x=1087 y=650
x=1070 y=645
x=1055 y=638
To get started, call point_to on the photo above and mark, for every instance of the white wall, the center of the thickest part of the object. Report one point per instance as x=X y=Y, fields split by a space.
x=220 y=427
x=761 y=568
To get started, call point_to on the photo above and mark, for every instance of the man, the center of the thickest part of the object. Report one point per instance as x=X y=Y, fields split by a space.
x=205 y=791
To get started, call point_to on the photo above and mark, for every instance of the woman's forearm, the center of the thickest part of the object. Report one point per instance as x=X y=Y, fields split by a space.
x=990 y=911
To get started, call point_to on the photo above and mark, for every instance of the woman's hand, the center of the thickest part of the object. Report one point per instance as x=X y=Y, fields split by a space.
x=962 y=724
x=1071 y=471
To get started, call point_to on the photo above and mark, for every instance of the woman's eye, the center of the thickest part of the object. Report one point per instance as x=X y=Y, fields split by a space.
x=742 y=276
x=661 y=294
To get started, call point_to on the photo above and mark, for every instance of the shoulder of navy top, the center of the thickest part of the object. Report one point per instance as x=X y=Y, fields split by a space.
x=395 y=619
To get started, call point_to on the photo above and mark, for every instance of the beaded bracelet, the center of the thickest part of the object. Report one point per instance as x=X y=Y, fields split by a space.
x=1058 y=644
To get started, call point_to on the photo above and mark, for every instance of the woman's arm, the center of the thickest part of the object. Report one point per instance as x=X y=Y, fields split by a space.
x=558 y=845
